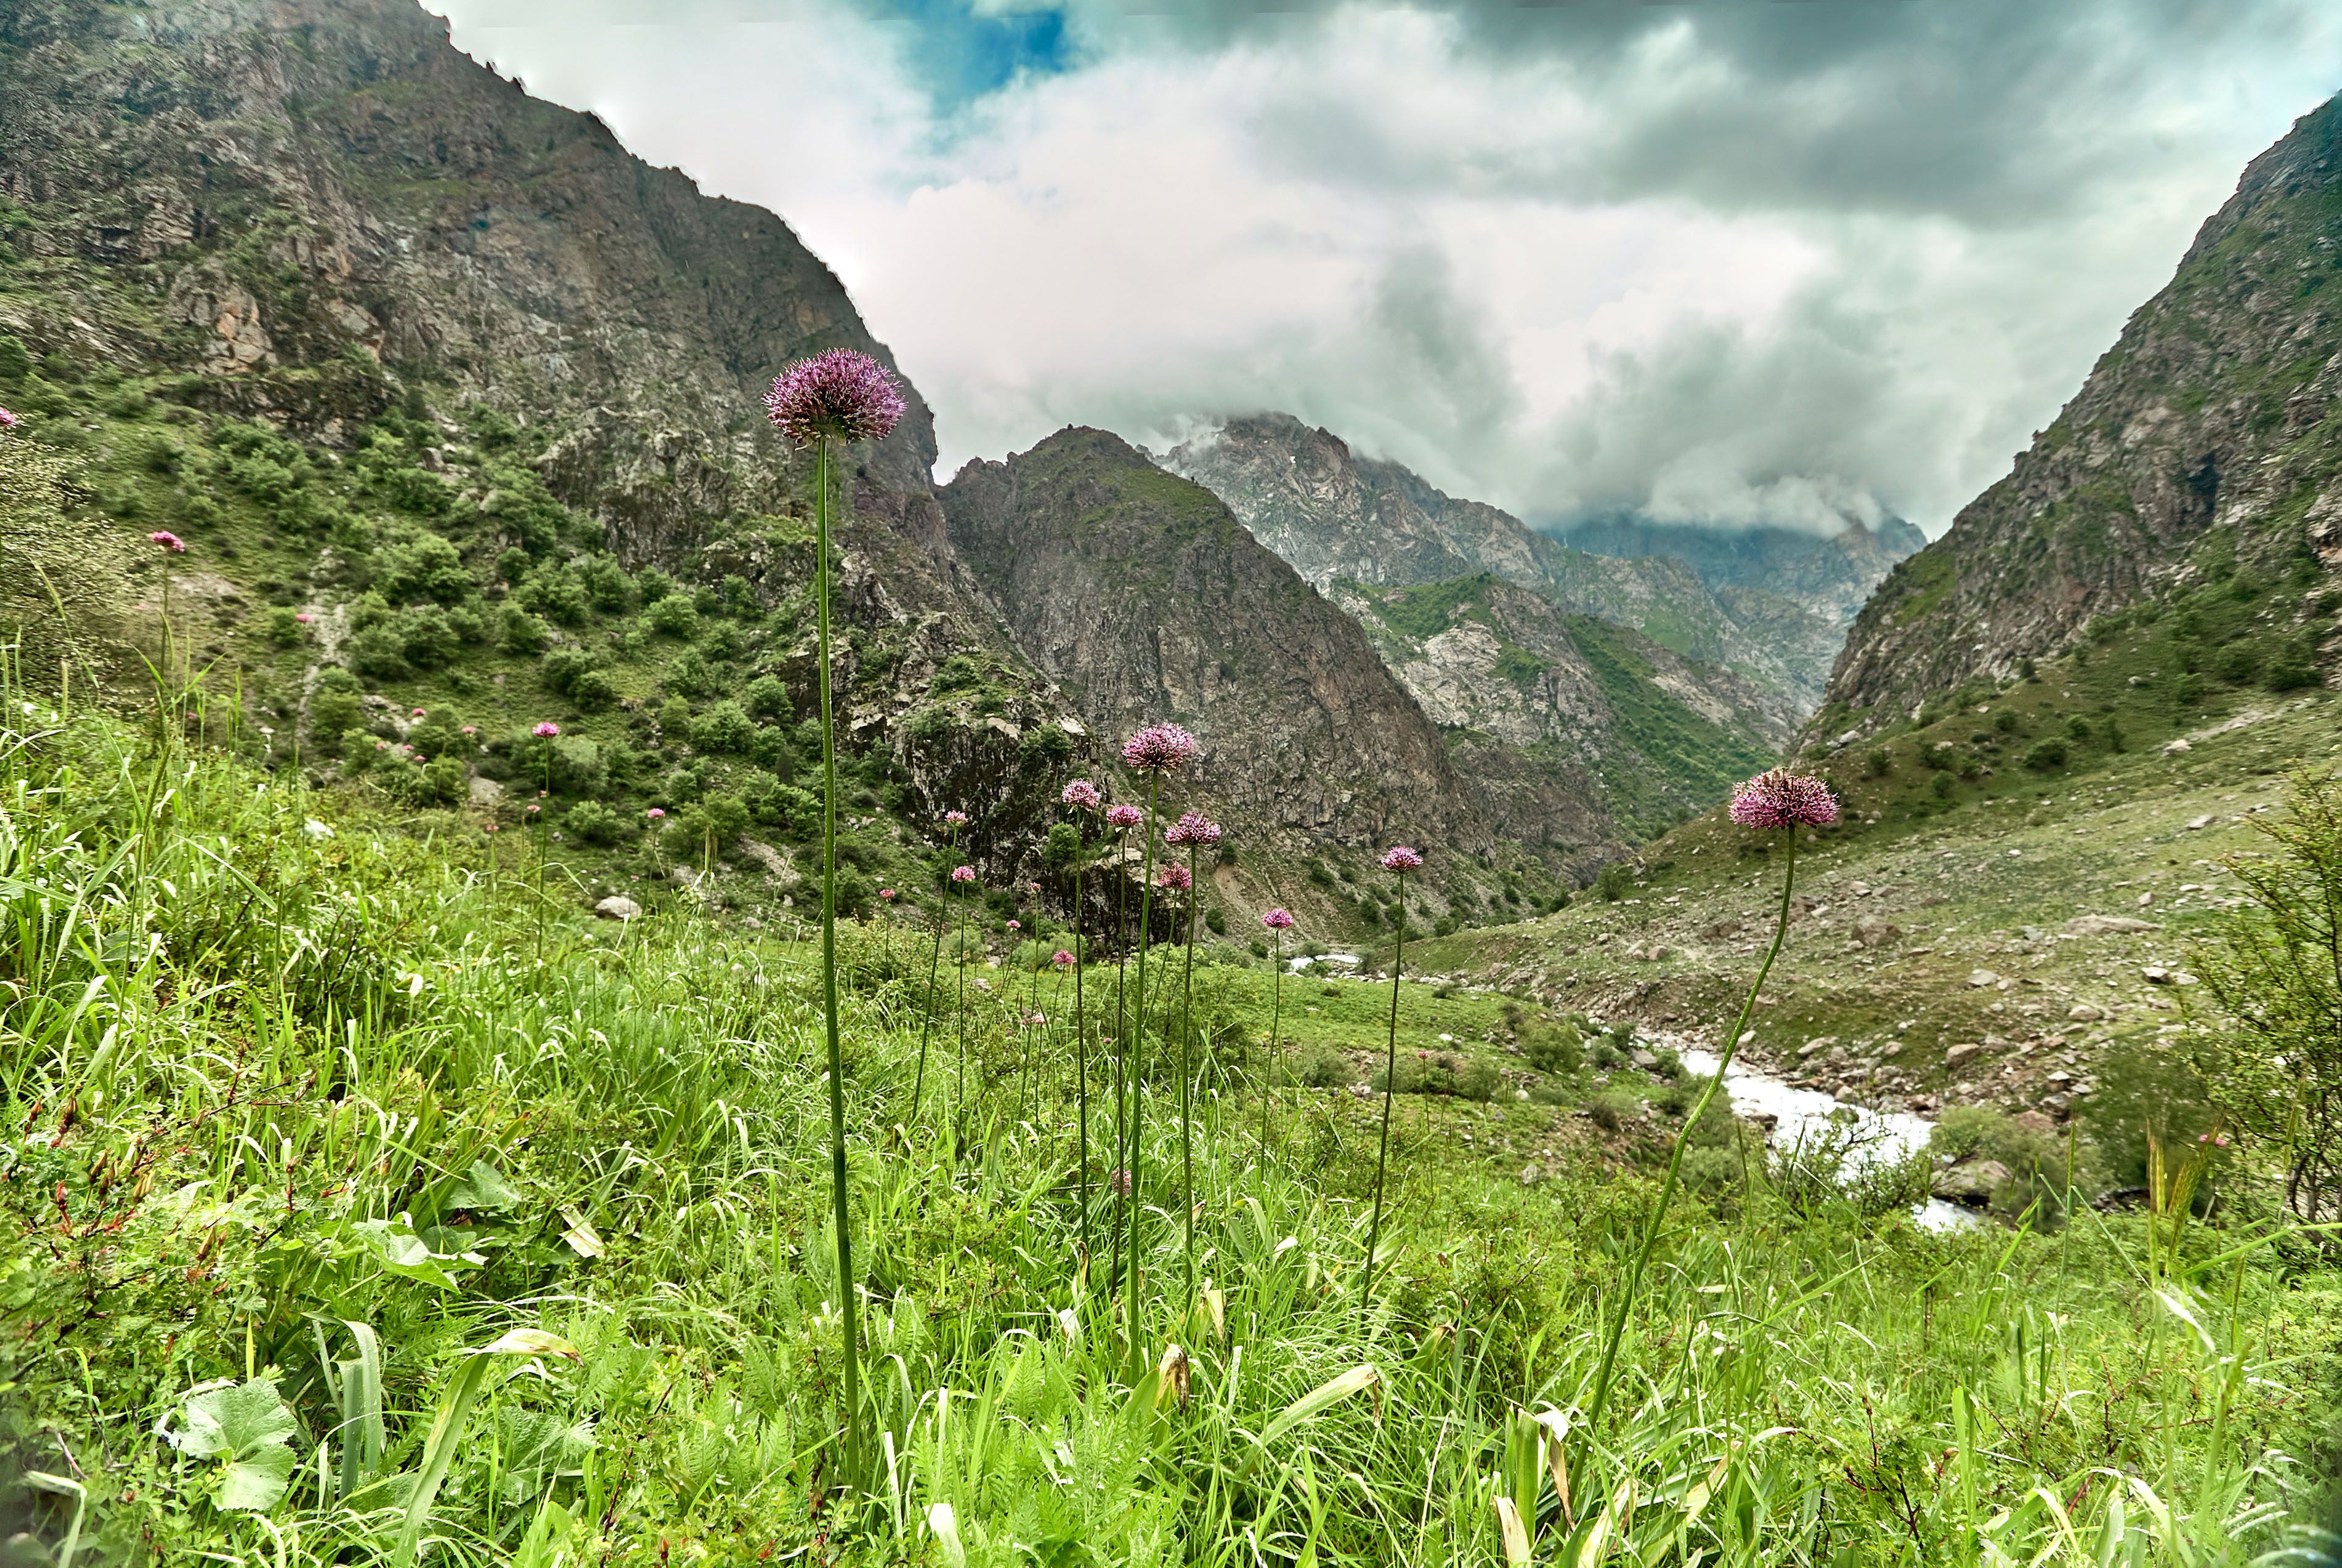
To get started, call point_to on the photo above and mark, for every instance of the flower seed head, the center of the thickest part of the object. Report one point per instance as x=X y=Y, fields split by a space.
x=1777 y=798
x=1159 y=748
x=839 y=394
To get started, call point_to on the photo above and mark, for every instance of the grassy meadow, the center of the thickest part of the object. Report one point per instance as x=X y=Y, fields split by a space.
x=365 y=1205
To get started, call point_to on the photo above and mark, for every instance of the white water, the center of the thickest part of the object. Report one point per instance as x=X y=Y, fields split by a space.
x=1298 y=965
x=1798 y=1110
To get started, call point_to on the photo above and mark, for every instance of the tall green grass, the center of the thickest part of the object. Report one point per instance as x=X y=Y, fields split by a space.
x=532 y=1258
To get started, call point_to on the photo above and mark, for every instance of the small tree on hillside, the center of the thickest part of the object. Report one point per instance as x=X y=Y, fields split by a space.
x=2275 y=970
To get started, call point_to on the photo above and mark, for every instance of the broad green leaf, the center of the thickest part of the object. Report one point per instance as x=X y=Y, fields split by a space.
x=233 y=1422
x=255 y=1482
x=404 y=1253
x=483 y=1189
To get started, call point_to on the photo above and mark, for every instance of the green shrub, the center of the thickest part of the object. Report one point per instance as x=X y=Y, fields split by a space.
x=378 y=651
x=593 y=822
x=556 y=593
x=672 y=616
x=1616 y=882
x=689 y=675
x=2239 y=661
x=722 y=729
x=1612 y=1109
x=428 y=638
x=423 y=567
x=2005 y=721
x=2044 y=755
x=524 y=633
x=768 y=697
x=1943 y=786
x=1554 y=1047
x=282 y=626
x=2077 y=728
x=1877 y=762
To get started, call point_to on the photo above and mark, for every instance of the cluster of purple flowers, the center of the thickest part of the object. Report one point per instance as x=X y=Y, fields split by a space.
x=1777 y=798
x=839 y=396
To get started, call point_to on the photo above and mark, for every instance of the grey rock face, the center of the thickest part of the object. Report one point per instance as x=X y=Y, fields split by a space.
x=2210 y=435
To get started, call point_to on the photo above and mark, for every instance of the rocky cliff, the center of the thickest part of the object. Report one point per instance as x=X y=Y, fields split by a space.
x=1335 y=514
x=1499 y=666
x=1144 y=599
x=2205 y=446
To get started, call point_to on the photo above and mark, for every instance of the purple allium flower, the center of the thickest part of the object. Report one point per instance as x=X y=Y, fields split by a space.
x=545 y=731
x=170 y=544
x=1082 y=795
x=1193 y=827
x=1401 y=858
x=7 y=420
x=840 y=392
x=471 y=729
x=1278 y=919
x=1159 y=748
x=1777 y=798
x=1062 y=958
x=887 y=894
x=302 y=616
x=416 y=713
x=954 y=819
x=963 y=874
x=1123 y=817
x=656 y=812
x=1016 y=926
x=1173 y=877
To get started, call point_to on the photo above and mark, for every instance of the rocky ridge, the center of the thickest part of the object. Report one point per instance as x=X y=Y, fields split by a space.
x=2205 y=448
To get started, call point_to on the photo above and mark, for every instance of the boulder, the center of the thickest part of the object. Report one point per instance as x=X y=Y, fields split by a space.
x=1877 y=933
x=1983 y=978
x=1960 y=1055
x=2178 y=749
x=618 y=906
x=1971 y=1181
x=2033 y=1122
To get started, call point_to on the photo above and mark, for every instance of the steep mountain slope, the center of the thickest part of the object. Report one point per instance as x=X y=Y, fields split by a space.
x=459 y=314
x=2204 y=454
x=1828 y=576
x=1142 y=594
x=1486 y=657
x=1335 y=514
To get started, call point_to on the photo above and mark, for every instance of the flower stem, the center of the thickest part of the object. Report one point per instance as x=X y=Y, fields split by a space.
x=1390 y=1086
x=1276 y=1016
x=1674 y=1156
x=850 y=1307
x=1187 y=1080
x=1121 y=1060
x=1081 y=1046
x=934 y=962
x=1138 y=1055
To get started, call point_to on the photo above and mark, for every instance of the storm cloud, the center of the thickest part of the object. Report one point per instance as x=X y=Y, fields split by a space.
x=1740 y=262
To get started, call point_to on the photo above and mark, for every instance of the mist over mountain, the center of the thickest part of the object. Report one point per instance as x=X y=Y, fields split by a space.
x=1831 y=575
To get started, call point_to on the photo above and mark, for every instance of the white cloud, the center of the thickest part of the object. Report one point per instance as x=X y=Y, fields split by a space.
x=1490 y=263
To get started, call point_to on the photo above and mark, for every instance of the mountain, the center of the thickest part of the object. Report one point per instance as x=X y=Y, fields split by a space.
x=1500 y=667
x=1336 y=515
x=1830 y=575
x=2200 y=461
x=1144 y=598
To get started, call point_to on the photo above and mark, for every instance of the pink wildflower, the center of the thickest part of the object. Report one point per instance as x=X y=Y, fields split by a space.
x=471 y=729
x=534 y=808
x=302 y=616
x=1119 y=1180
x=887 y=894
x=656 y=812
x=170 y=544
x=955 y=819
x=7 y=420
x=1062 y=958
x=1278 y=919
x=1173 y=877
x=546 y=730
x=1123 y=817
x=963 y=874
x=840 y=394
x=416 y=713
x=1777 y=798
x=1082 y=795
x=1159 y=748
x=1016 y=926
x=1401 y=858
x=1193 y=827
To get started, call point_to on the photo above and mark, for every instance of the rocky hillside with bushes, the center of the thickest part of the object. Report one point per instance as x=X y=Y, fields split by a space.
x=2198 y=468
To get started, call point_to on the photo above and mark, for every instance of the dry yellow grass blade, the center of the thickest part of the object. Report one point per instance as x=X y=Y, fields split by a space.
x=1517 y=1537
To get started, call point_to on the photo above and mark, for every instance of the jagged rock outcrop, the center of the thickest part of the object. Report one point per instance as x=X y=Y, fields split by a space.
x=1335 y=514
x=2208 y=439
x=1142 y=595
